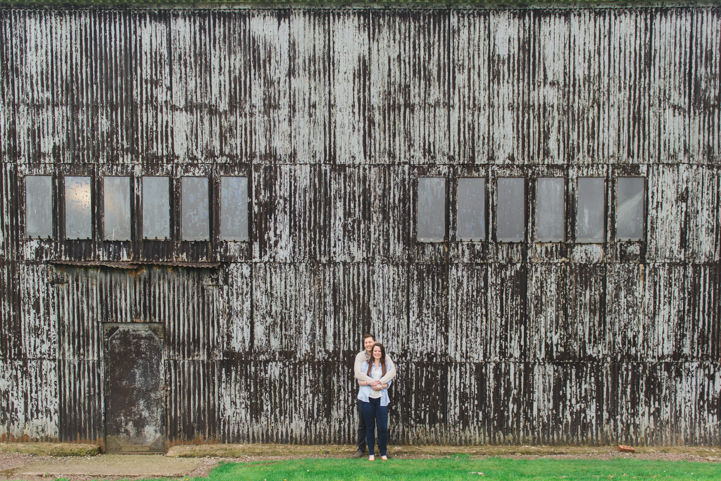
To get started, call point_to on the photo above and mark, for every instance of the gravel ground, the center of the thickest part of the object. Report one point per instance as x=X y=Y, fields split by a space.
x=199 y=460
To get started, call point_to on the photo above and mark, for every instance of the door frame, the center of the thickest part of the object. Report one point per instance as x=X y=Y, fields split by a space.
x=158 y=330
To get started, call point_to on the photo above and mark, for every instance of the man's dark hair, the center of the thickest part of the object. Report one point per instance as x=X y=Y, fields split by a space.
x=367 y=335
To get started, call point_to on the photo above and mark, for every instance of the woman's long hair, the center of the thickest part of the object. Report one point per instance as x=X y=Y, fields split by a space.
x=372 y=359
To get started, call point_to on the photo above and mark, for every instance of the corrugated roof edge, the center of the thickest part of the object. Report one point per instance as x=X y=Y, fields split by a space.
x=340 y=4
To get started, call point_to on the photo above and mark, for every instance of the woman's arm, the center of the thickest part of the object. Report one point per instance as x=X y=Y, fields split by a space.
x=391 y=372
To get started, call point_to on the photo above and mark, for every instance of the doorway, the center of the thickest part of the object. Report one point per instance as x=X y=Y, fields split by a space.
x=134 y=398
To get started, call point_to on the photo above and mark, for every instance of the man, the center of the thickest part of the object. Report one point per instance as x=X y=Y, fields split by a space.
x=365 y=355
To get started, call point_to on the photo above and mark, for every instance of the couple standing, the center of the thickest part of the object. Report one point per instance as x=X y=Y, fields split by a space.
x=374 y=372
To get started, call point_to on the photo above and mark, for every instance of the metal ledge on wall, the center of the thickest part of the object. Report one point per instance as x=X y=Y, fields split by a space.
x=131 y=265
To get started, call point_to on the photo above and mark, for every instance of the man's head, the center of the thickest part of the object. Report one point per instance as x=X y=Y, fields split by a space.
x=368 y=342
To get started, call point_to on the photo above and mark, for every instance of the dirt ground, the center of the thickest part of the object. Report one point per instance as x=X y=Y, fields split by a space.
x=29 y=461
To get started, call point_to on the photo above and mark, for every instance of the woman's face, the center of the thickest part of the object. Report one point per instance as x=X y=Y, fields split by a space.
x=377 y=353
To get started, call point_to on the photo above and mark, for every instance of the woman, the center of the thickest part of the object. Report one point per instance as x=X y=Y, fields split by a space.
x=373 y=397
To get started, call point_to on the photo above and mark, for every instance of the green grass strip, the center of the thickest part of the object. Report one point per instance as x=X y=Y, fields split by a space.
x=467 y=468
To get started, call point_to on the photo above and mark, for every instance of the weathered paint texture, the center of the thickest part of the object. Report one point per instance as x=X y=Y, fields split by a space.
x=333 y=115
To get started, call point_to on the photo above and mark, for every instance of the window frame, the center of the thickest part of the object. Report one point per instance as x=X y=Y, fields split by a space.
x=443 y=209
x=538 y=211
x=51 y=210
x=524 y=203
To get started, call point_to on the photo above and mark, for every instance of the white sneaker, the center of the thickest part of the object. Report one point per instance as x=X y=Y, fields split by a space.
x=371 y=458
x=384 y=458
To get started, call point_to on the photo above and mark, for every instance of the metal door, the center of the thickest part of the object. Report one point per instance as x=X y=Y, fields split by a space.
x=134 y=388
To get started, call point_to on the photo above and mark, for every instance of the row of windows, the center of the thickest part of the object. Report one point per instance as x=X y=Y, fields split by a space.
x=550 y=214
x=550 y=209
x=116 y=208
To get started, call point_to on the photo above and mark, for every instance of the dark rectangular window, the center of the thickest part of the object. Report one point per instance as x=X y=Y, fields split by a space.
x=511 y=209
x=38 y=206
x=471 y=209
x=156 y=208
x=195 y=215
x=234 y=208
x=431 y=224
x=550 y=209
x=116 y=208
x=590 y=210
x=629 y=208
x=78 y=215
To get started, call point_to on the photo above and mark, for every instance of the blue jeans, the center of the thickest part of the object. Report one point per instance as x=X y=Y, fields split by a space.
x=375 y=414
x=361 y=427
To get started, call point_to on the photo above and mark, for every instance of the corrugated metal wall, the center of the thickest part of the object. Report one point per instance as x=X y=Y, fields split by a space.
x=333 y=115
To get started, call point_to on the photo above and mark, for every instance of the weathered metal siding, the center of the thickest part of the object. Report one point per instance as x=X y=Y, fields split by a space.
x=333 y=115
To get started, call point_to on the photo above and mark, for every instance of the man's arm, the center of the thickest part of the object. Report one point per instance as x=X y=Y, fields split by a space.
x=358 y=371
x=391 y=372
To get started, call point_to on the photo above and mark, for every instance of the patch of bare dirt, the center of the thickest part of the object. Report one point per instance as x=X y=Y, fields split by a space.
x=199 y=459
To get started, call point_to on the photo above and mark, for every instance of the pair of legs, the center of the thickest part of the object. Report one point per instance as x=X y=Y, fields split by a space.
x=375 y=415
x=361 y=427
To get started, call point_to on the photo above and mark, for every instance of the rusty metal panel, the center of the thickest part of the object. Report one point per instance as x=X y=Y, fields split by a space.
x=289 y=396
x=427 y=335
x=549 y=85
x=29 y=400
x=625 y=310
x=235 y=310
x=409 y=87
x=509 y=77
x=191 y=402
x=669 y=94
x=146 y=72
x=39 y=331
x=352 y=224
x=629 y=32
x=572 y=402
x=54 y=110
x=270 y=77
x=291 y=207
x=350 y=84
x=391 y=210
x=589 y=80
x=663 y=332
x=200 y=93
x=6 y=86
x=662 y=403
x=80 y=398
x=77 y=313
x=506 y=333
x=705 y=115
x=189 y=313
x=349 y=307
x=700 y=320
x=468 y=312
x=309 y=52
x=10 y=329
x=288 y=309
x=389 y=308
x=703 y=196
x=10 y=230
x=683 y=217
x=470 y=128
